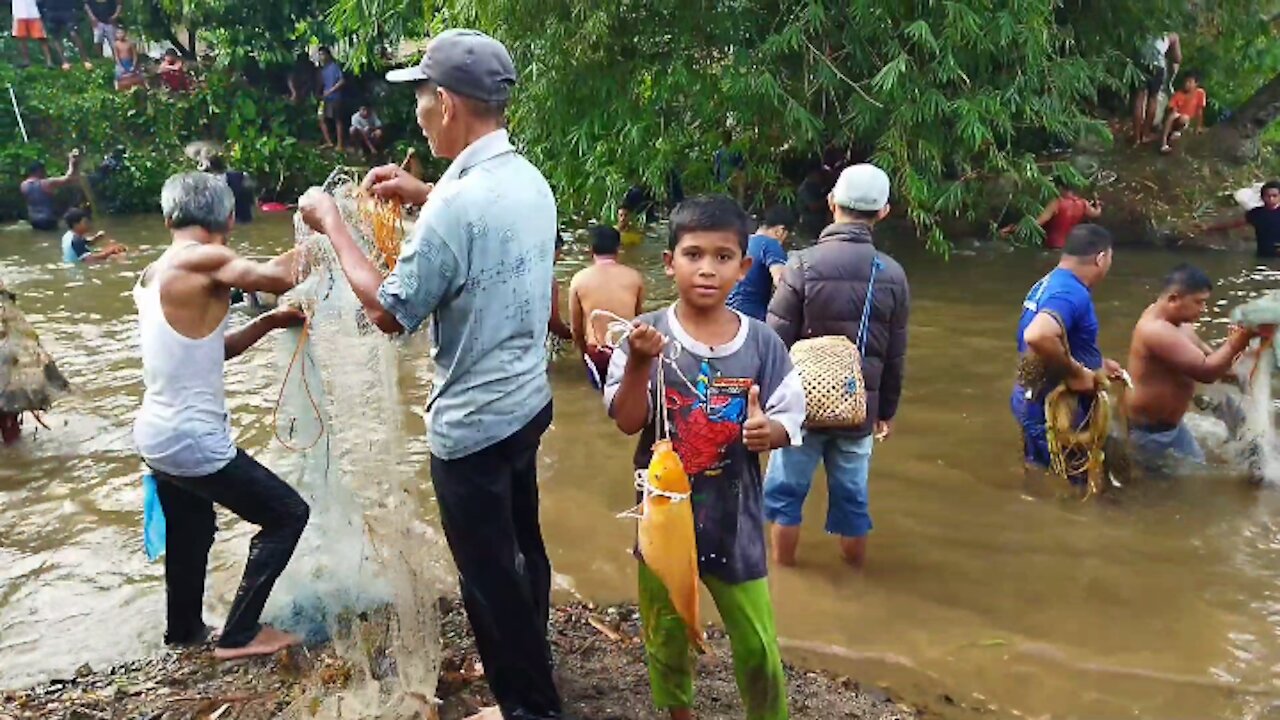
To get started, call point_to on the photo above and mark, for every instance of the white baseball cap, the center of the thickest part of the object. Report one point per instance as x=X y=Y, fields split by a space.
x=862 y=187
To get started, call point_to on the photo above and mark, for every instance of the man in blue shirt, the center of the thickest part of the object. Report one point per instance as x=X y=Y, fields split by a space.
x=751 y=295
x=331 y=84
x=1058 y=335
x=478 y=263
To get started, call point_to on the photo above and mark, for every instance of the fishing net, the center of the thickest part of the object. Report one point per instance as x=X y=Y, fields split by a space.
x=369 y=569
x=29 y=379
x=1256 y=443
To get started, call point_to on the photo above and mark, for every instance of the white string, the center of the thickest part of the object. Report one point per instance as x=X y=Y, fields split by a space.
x=616 y=331
x=619 y=328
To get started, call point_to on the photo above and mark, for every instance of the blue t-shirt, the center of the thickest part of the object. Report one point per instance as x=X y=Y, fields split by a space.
x=1062 y=295
x=74 y=247
x=331 y=75
x=751 y=295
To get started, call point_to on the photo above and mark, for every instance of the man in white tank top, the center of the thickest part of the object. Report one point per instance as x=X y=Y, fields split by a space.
x=183 y=431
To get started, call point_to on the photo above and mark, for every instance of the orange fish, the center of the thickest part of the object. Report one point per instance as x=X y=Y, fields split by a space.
x=667 y=542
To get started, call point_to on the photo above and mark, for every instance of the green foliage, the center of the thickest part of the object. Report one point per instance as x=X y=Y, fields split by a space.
x=81 y=110
x=957 y=99
x=269 y=32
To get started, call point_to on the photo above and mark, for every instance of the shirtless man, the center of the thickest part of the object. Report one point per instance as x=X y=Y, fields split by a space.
x=183 y=431
x=606 y=285
x=1166 y=360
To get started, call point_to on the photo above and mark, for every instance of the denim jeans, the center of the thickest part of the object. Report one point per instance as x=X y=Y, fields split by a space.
x=1162 y=448
x=251 y=491
x=847 y=461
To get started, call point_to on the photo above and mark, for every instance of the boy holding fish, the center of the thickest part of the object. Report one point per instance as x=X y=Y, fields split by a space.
x=727 y=391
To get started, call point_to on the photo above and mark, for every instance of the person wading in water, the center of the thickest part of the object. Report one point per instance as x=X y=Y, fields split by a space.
x=183 y=430
x=38 y=190
x=479 y=262
x=1058 y=337
x=606 y=285
x=1167 y=358
x=841 y=286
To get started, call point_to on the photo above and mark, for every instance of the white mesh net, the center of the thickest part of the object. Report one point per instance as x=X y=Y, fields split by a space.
x=369 y=569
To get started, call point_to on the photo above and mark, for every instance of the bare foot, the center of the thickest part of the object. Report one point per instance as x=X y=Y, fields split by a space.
x=88 y=65
x=66 y=66
x=269 y=641
x=489 y=713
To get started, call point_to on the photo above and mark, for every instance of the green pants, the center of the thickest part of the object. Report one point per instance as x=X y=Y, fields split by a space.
x=748 y=618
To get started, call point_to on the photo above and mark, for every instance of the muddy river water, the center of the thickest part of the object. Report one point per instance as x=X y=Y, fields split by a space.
x=1163 y=604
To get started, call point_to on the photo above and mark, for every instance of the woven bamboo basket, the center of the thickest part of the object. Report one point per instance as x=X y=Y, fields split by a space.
x=831 y=370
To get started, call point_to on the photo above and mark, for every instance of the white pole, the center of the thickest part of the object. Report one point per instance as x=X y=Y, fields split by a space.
x=21 y=125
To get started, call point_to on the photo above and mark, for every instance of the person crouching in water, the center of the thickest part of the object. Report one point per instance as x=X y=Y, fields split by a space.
x=78 y=238
x=1166 y=359
x=183 y=431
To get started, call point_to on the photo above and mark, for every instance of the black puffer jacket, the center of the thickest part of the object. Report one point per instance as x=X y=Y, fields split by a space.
x=823 y=291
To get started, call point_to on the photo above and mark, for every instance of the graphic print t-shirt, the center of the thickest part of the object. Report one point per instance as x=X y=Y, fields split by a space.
x=705 y=411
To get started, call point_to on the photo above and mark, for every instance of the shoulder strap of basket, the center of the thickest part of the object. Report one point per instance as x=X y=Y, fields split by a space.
x=866 y=307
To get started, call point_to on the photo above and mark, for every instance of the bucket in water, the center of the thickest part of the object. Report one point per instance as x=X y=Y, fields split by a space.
x=153 y=535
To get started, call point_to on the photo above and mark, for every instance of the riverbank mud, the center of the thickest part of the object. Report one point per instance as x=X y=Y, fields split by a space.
x=600 y=664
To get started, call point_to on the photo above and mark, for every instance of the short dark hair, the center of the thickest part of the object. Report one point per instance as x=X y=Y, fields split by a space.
x=38 y=167
x=1268 y=185
x=705 y=213
x=324 y=50
x=605 y=240
x=1187 y=278
x=75 y=216
x=1087 y=240
x=1191 y=75
x=778 y=215
x=170 y=52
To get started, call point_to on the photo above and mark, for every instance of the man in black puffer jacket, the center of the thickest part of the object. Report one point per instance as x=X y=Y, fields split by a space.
x=824 y=291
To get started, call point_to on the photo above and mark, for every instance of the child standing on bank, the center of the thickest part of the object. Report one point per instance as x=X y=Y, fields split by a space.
x=741 y=397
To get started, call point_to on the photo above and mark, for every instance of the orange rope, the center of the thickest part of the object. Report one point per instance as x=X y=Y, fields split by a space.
x=275 y=424
x=386 y=222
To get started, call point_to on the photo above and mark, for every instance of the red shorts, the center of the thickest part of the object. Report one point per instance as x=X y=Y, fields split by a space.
x=28 y=28
x=597 y=360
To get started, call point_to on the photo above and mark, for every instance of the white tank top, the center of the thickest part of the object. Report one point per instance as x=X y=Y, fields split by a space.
x=183 y=428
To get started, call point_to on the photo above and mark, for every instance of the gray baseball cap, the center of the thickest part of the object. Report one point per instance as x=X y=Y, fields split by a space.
x=862 y=187
x=466 y=62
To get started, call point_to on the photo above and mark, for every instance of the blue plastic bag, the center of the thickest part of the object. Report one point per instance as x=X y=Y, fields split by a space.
x=152 y=519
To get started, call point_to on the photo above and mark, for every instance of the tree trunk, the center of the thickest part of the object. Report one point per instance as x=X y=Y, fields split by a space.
x=1238 y=138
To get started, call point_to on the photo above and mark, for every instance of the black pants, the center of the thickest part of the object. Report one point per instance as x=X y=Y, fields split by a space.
x=489 y=510
x=251 y=491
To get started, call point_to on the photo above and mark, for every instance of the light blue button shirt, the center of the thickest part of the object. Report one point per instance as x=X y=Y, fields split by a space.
x=480 y=259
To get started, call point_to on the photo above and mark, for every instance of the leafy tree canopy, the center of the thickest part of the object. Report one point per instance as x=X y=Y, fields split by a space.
x=947 y=95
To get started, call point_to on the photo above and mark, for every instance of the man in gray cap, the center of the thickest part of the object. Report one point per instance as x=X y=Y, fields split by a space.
x=841 y=286
x=479 y=262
